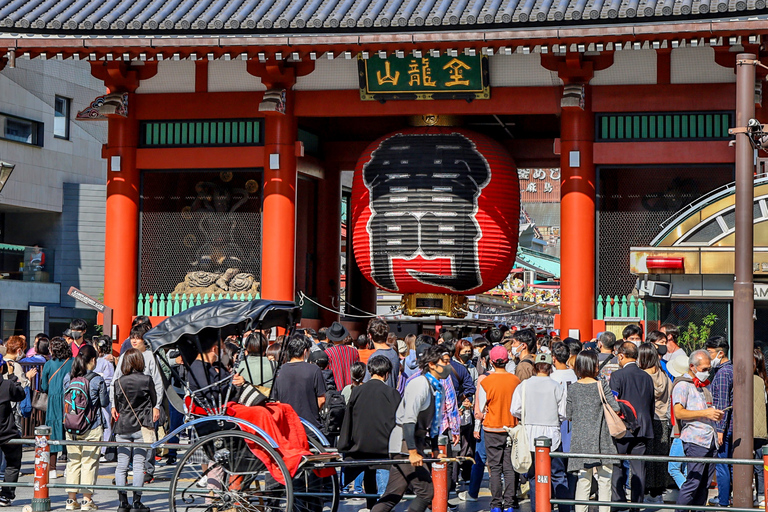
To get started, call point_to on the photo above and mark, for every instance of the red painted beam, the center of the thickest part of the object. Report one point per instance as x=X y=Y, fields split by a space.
x=660 y=98
x=651 y=153
x=199 y=158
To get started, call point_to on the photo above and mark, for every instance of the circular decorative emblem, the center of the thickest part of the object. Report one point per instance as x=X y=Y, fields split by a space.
x=251 y=186
x=226 y=176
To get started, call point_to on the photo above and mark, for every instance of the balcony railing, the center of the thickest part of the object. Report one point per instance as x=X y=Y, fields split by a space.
x=152 y=304
x=627 y=306
x=22 y=263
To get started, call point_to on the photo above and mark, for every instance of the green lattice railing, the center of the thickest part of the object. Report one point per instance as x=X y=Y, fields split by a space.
x=620 y=307
x=168 y=305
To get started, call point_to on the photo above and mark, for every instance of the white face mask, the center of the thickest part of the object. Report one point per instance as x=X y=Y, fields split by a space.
x=516 y=350
x=702 y=376
x=716 y=361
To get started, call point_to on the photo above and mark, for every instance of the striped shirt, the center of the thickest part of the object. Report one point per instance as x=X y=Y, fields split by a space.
x=341 y=358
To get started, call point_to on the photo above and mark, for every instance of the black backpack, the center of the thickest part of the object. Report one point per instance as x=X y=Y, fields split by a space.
x=332 y=413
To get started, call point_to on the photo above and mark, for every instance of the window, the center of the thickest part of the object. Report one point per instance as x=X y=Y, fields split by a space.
x=61 y=118
x=21 y=130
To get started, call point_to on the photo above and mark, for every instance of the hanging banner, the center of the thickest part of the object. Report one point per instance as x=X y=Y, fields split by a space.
x=425 y=78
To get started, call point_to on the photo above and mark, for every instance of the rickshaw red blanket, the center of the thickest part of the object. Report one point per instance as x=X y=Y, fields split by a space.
x=280 y=422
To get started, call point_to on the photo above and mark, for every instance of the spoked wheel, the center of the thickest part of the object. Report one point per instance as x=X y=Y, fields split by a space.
x=313 y=493
x=235 y=480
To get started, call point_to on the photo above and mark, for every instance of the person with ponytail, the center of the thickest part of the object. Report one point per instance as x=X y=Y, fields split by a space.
x=83 y=461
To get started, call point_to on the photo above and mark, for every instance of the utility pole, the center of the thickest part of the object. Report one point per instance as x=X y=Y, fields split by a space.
x=743 y=287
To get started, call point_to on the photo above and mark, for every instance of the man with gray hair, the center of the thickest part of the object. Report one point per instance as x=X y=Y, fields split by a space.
x=606 y=342
x=696 y=420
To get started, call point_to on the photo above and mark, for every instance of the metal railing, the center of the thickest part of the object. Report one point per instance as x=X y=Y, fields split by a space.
x=626 y=306
x=152 y=304
x=544 y=456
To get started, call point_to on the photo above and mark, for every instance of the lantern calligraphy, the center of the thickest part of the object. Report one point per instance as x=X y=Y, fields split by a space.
x=435 y=210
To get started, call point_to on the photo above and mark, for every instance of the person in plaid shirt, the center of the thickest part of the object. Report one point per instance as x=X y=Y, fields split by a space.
x=722 y=398
x=697 y=419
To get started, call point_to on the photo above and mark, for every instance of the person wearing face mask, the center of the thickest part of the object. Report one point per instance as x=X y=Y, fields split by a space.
x=659 y=340
x=633 y=333
x=722 y=398
x=417 y=426
x=696 y=420
x=606 y=342
x=523 y=348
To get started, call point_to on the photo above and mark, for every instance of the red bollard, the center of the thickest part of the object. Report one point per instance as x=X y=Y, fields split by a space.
x=440 y=479
x=765 y=475
x=41 y=502
x=543 y=474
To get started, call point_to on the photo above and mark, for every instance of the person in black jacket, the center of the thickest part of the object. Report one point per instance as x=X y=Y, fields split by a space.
x=134 y=399
x=368 y=421
x=11 y=392
x=634 y=385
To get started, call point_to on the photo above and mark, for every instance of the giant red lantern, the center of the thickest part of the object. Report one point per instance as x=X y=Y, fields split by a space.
x=435 y=210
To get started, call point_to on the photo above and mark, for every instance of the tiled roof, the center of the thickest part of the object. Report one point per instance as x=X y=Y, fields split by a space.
x=256 y=17
x=538 y=261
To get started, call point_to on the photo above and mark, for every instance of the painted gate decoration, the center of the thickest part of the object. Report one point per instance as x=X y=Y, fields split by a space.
x=435 y=210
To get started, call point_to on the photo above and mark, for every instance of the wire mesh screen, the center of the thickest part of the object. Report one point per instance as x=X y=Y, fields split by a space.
x=200 y=232
x=685 y=313
x=633 y=202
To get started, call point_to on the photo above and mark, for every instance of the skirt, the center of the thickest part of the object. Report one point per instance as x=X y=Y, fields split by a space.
x=656 y=472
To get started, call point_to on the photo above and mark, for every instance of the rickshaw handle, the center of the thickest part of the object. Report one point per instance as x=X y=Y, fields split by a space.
x=229 y=419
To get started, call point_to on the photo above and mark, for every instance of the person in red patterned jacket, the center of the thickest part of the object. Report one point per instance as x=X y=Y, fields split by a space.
x=340 y=356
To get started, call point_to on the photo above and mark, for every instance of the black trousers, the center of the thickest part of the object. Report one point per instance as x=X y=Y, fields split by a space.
x=499 y=462
x=696 y=487
x=401 y=478
x=631 y=446
x=12 y=454
x=369 y=481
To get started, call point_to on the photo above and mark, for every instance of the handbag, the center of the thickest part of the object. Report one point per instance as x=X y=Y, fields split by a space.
x=521 y=452
x=147 y=434
x=616 y=425
x=40 y=399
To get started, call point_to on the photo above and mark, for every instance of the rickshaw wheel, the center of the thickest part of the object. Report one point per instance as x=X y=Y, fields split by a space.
x=236 y=479
x=313 y=493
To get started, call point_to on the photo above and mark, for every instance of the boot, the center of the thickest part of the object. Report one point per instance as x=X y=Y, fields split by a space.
x=123 y=498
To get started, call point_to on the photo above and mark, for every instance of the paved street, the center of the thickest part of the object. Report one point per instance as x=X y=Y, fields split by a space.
x=158 y=501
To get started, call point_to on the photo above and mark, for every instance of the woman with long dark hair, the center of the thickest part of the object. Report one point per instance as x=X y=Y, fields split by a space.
x=135 y=397
x=649 y=360
x=52 y=382
x=83 y=461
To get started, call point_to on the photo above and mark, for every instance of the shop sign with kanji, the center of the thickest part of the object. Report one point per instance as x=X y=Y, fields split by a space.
x=424 y=78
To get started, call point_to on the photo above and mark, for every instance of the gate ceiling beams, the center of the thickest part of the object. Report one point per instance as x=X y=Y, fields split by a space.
x=122 y=76
x=575 y=67
x=279 y=74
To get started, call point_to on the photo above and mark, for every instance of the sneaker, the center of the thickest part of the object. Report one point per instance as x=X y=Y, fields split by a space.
x=130 y=472
x=124 y=507
x=5 y=501
x=53 y=474
x=512 y=509
x=464 y=496
x=170 y=461
x=88 y=505
x=203 y=482
x=654 y=499
x=73 y=505
x=495 y=509
x=148 y=479
x=138 y=506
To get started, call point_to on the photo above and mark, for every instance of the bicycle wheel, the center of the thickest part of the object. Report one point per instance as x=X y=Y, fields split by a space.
x=313 y=493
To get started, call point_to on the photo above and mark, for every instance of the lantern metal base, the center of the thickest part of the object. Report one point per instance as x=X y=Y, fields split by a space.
x=434 y=304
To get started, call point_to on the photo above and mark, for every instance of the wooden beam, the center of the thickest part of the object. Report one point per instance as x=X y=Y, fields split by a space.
x=656 y=153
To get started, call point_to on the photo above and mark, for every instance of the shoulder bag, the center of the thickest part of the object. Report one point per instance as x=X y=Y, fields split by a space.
x=521 y=452
x=40 y=399
x=616 y=425
x=148 y=434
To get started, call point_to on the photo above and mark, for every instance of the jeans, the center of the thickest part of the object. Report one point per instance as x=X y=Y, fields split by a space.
x=478 y=469
x=677 y=470
x=759 y=471
x=123 y=458
x=107 y=419
x=724 y=472
x=374 y=481
x=584 y=485
x=175 y=419
x=83 y=461
x=12 y=455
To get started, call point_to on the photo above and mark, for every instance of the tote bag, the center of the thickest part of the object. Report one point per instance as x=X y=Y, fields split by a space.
x=616 y=425
x=521 y=451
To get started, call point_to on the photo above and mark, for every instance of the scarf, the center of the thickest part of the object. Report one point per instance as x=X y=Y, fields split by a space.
x=436 y=385
x=700 y=384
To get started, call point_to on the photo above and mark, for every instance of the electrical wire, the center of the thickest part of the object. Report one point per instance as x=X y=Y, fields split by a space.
x=303 y=297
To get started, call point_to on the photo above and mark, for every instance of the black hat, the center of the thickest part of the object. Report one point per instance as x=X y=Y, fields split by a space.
x=337 y=332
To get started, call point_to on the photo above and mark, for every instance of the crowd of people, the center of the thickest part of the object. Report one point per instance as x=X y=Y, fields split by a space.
x=377 y=397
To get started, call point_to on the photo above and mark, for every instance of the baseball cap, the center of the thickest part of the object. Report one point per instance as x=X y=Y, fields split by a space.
x=543 y=358
x=499 y=353
x=402 y=348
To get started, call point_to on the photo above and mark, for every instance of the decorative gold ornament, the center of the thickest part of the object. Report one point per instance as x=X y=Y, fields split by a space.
x=251 y=186
x=431 y=304
x=434 y=120
x=186 y=213
x=226 y=176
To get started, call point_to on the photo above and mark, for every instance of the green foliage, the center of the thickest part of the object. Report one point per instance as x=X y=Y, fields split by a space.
x=694 y=336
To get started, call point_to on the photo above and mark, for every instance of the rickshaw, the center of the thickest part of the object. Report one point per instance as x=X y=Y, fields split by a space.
x=265 y=462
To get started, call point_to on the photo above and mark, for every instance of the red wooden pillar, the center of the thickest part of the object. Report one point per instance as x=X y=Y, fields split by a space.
x=577 y=219
x=278 y=246
x=329 y=243
x=121 y=242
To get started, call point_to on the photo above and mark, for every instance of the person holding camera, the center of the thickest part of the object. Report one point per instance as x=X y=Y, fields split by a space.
x=11 y=392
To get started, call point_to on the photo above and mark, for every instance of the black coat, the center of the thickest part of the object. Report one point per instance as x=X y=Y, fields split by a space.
x=368 y=420
x=10 y=393
x=134 y=398
x=636 y=387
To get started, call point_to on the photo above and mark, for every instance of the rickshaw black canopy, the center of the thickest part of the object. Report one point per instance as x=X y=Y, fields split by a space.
x=226 y=316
